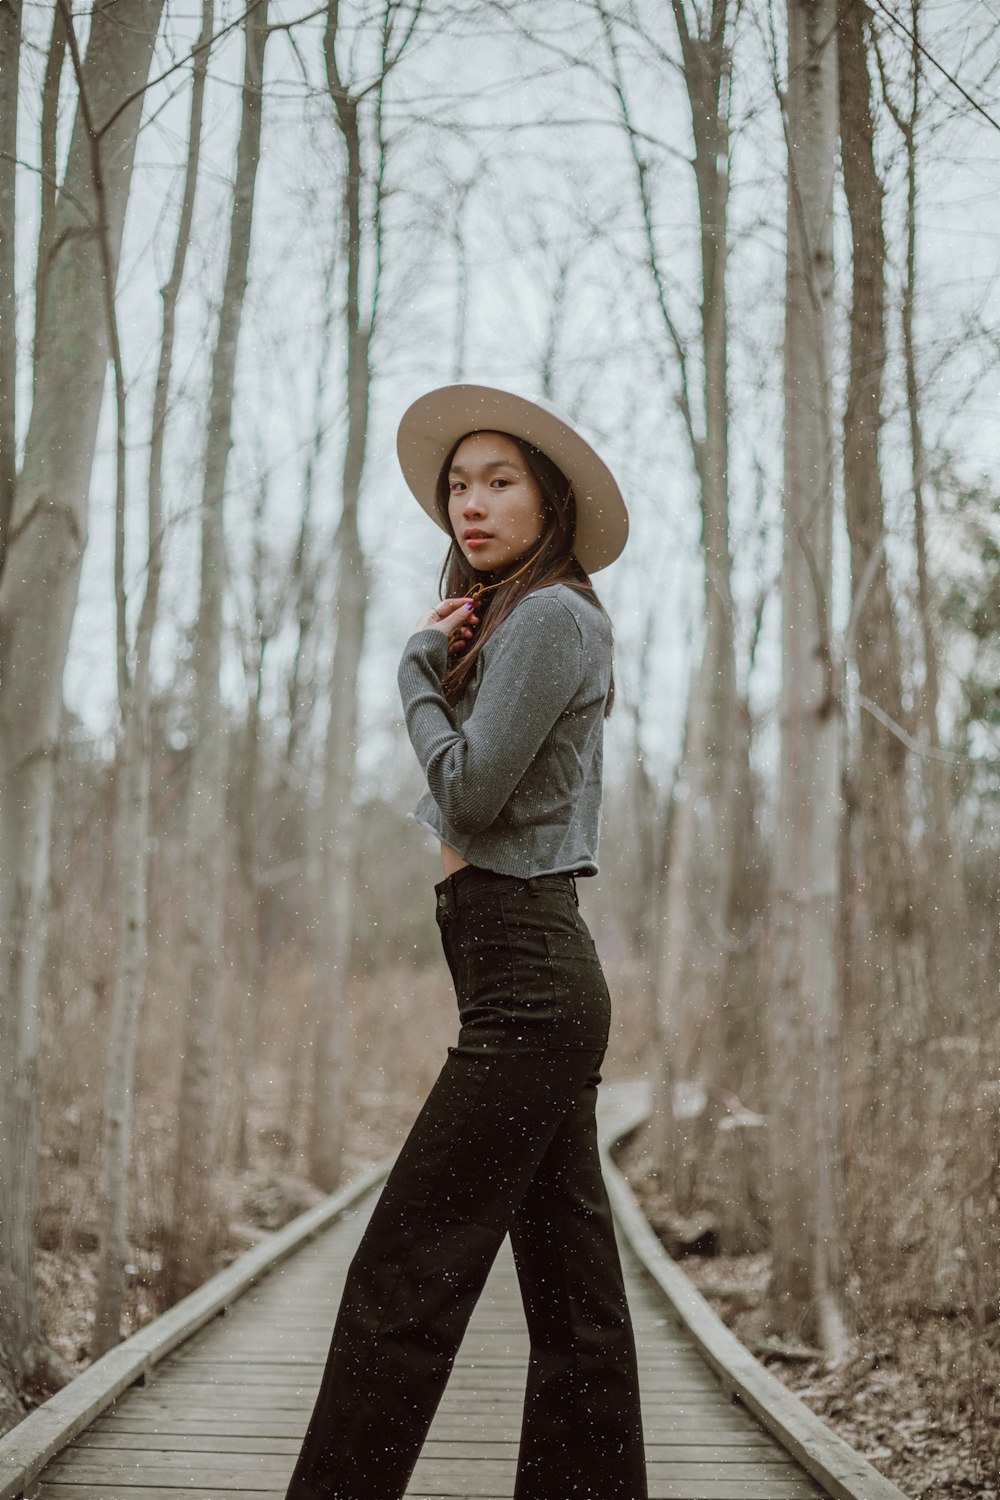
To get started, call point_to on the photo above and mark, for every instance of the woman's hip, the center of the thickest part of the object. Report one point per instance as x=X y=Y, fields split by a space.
x=524 y=964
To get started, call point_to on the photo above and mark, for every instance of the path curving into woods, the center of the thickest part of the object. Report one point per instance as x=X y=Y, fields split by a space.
x=212 y=1399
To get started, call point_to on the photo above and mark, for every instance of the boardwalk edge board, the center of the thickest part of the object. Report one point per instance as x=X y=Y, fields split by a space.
x=820 y=1451
x=29 y=1446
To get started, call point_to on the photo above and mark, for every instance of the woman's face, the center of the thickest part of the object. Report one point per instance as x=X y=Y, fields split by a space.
x=494 y=503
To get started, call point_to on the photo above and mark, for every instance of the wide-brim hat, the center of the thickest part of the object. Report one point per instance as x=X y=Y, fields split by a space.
x=434 y=423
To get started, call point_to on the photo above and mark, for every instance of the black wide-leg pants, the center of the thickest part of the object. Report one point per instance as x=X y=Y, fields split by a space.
x=506 y=1142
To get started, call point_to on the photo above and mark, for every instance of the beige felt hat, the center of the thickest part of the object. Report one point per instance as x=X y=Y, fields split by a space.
x=432 y=426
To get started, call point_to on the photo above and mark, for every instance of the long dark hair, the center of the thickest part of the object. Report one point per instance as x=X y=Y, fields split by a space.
x=552 y=562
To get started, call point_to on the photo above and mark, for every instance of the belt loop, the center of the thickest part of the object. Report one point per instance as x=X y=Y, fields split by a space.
x=572 y=881
x=532 y=884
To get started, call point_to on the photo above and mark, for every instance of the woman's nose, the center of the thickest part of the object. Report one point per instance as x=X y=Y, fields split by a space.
x=473 y=503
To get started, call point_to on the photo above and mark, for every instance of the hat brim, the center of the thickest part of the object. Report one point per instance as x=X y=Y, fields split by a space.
x=435 y=422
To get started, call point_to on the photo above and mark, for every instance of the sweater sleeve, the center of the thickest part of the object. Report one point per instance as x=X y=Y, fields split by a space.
x=532 y=667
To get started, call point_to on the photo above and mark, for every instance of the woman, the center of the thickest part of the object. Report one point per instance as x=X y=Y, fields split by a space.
x=505 y=686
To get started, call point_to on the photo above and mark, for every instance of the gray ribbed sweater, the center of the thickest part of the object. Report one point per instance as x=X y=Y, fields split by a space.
x=514 y=768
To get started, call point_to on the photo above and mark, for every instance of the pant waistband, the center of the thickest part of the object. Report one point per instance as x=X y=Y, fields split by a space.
x=470 y=881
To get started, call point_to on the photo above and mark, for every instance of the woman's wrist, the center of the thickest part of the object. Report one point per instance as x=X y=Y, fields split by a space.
x=455 y=619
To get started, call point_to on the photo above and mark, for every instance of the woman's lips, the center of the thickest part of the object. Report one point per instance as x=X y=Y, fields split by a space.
x=477 y=541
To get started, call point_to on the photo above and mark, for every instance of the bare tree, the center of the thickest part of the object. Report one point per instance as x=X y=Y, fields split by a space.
x=45 y=545
x=10 y=60
x=133 y=784
x=265 y=615
x=302 y=685
x=887 y=960
x=693 y=951
x=945 y=906
x=362 y=241
x=807 y=1270
x=194 y=1225
x=305 y=570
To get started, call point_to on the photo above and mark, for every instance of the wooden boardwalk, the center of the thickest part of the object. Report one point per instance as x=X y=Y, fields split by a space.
x=223 y=1417
x=213 y=1407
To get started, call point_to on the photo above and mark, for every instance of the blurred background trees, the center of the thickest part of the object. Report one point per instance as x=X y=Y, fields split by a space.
x=752 y=250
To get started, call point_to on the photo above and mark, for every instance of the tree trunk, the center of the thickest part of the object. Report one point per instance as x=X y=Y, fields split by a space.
x=945 y=902
x=194 y=1229
x=10 y=65
x=338 y=823
x=37 y=599
x=694 y=948
x=265 y=620
x=305 y=573
x=807 y=1274
x=301 y=692
x=888 y=973
x=131 y=858
x=339 y=859
x=249 y=862
x=133 y=796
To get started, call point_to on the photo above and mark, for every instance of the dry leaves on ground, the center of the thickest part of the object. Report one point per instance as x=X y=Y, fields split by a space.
x=919 y=1397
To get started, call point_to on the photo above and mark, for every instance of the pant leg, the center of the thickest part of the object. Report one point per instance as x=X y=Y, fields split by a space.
x=581 y=1435
x=534 y=1029
x=424 y=1259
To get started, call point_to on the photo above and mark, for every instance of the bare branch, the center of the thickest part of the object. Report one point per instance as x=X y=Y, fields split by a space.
x=682 y=398
x=928 y=752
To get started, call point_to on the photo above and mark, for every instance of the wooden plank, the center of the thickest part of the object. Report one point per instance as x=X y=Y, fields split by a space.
x=496 y=1360
x=175 y=1471
x=185 y=1469
x=452 y=1445
x=295 y=1397
x=443 y=1488
x=659 y=1429
x=472 y=1483
x=455 y=1489
x=61 y=1491
x=476 y=1477
x=681 y=1386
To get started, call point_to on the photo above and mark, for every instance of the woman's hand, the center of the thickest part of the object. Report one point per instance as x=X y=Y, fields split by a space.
x=455 y=618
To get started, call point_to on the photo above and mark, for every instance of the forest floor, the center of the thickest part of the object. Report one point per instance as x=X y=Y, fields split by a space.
x=253 y=1203
x=918 y=1397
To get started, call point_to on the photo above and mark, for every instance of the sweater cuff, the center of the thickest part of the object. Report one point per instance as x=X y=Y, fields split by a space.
x=430 y=647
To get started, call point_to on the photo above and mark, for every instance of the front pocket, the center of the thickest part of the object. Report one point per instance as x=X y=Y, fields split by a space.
x=483 y=961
